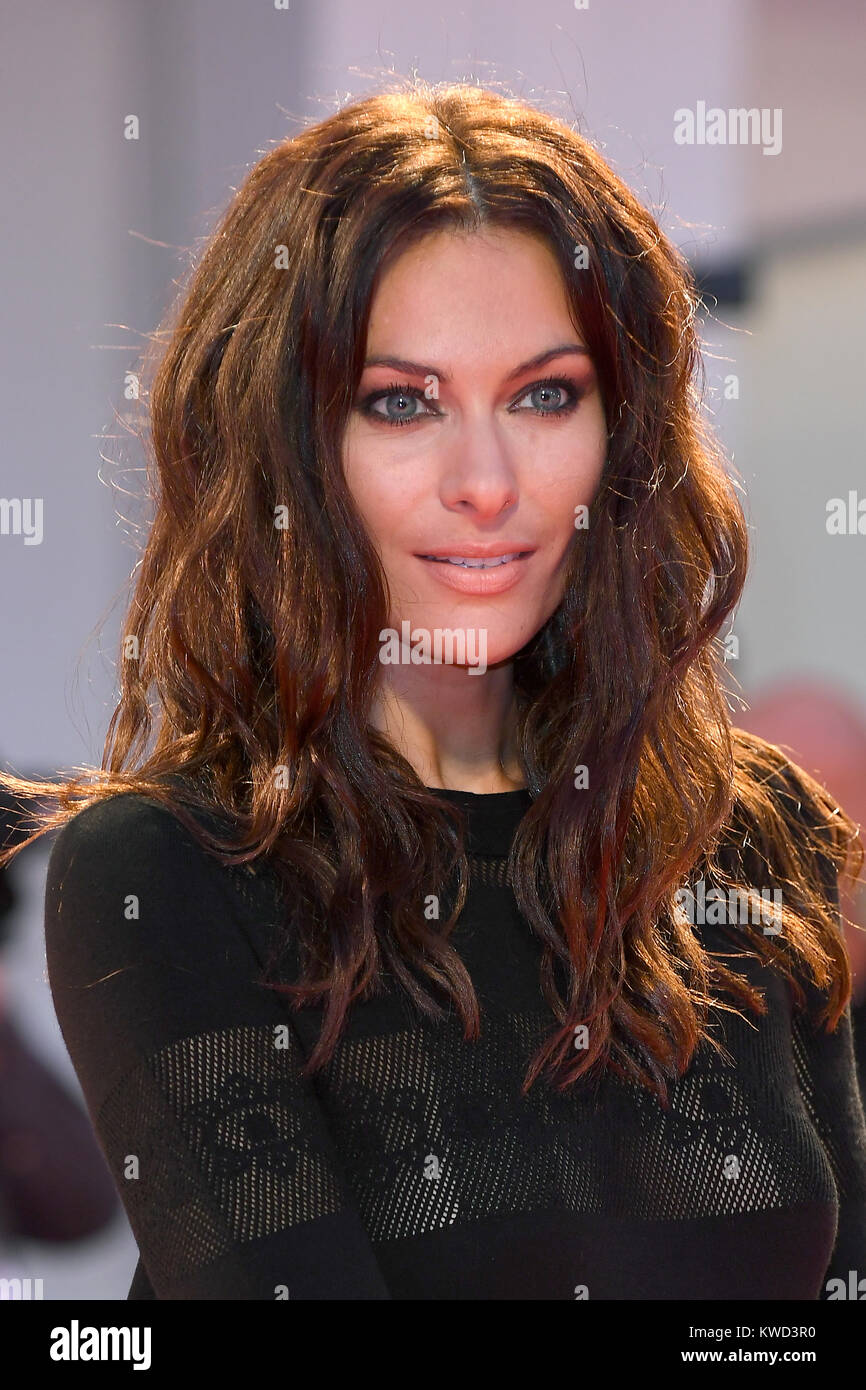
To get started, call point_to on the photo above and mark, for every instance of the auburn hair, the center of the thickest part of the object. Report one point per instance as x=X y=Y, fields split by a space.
x=259 y=600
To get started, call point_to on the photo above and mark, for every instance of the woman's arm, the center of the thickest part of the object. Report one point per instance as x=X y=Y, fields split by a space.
x=828 y=1083
x=827 y=1075
x=190 y=1070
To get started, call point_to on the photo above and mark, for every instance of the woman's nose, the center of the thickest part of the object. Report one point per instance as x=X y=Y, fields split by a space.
x=479 y=473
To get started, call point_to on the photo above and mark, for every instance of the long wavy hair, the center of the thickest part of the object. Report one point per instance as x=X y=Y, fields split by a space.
x=259 y=600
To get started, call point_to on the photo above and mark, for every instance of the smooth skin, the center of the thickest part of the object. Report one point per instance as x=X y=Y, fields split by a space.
x=482 y=454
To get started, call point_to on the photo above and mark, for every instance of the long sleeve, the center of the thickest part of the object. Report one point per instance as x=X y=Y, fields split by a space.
x=828 y=1084
x=827 y=1076
x=825 y=1067
x=218 y=1145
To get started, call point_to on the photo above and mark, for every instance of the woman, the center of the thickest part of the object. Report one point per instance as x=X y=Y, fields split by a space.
x=396 y=971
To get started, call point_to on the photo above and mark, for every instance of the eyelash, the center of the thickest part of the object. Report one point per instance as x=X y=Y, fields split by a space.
x=397 y=388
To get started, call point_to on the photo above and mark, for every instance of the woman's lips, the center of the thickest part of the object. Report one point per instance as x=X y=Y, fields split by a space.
x=472 y=580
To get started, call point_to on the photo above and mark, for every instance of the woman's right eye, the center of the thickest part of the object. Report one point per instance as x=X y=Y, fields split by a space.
x=400 y=405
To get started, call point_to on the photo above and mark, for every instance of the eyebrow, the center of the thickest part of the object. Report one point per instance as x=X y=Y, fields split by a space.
x=401 y=364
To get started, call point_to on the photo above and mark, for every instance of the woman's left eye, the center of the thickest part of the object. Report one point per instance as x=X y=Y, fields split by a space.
x=554 y=397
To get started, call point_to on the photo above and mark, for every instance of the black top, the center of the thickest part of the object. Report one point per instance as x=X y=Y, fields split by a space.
x=411 y=1167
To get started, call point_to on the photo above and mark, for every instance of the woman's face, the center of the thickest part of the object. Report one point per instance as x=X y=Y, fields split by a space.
x=477 y=431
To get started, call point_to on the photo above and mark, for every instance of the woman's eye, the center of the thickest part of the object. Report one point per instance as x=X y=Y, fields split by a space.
x=549 y=398
x=401 y=405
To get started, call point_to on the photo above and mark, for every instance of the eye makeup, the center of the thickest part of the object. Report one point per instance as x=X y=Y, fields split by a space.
x=403 y=389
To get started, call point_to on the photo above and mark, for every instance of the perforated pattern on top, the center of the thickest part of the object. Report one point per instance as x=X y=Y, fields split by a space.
x=432 y=1130
x=229 y=1111
x=490 y=870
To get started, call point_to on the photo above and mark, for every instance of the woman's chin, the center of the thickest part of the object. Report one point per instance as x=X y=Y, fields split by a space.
x=476 y=648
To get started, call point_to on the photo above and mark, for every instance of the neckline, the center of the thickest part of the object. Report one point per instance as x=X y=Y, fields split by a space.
x=458 y=792
x=491 y=817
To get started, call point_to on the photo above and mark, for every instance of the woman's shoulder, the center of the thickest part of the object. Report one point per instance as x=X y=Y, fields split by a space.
x=129 y=853
x=777 y=800
x=150 y=941
x=789 y=837
x=124 y=830
x=755 y=758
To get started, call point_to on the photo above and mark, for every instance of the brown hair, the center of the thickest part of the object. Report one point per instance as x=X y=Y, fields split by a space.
x=261 y=640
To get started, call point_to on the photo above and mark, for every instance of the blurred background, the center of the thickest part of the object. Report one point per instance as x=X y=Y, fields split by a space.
x=99 y=226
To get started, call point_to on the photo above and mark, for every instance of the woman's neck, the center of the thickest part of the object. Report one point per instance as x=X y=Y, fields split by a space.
x=457 y=730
